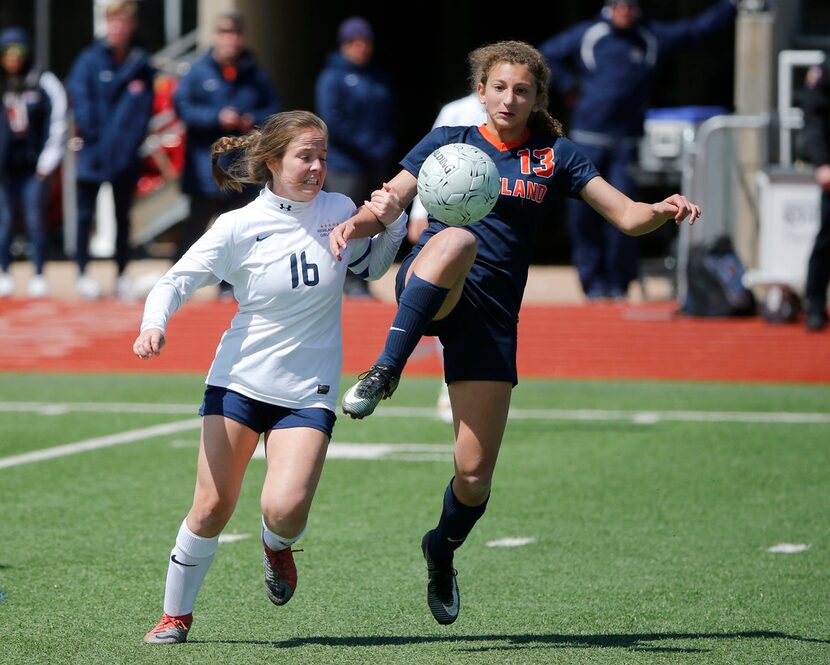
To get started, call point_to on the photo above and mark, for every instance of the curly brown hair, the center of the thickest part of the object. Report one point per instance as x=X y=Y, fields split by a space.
x=484 y=58
x=258 y=146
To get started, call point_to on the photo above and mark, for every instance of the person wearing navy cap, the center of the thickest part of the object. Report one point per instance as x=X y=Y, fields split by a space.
x=354 y=98
x=606 y=69
x=32 y=143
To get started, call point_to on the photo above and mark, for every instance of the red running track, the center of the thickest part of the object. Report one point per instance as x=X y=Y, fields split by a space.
x=608 y=341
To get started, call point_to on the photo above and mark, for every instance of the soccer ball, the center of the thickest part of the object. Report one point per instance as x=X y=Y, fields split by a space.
x=458 y=184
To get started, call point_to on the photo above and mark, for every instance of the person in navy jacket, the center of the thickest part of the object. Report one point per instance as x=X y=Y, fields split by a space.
x=225 y=93
x=354 y=98
x=32 y=144
x=111 y=93
x=815 y=100
x=606 y=69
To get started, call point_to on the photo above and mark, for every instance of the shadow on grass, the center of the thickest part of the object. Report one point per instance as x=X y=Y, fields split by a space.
x=633 y=642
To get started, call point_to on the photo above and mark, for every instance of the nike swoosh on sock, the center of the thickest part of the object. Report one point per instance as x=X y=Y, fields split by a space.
x=186 y=565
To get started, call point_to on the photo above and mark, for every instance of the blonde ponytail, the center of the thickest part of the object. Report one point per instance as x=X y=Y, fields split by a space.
x=233 y=178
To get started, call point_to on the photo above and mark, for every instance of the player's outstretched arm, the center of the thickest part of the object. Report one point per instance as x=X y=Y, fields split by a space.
x=633 y=217
x=148 y=343
x=363 y=224
x=384 y=208
x=385 y=204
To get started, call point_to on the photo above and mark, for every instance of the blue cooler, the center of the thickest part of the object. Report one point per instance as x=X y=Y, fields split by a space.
x=666 y=130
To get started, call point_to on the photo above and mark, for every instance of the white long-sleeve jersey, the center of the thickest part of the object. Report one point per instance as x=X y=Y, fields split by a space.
x=284 y=345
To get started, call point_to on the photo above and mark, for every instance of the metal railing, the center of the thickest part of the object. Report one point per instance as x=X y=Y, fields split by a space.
x=716 y=179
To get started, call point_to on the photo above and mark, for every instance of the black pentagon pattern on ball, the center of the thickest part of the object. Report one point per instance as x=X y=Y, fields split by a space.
x=458 y=184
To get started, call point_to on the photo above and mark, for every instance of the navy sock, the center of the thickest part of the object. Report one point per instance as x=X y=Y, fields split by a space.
x=419 y=302
x=457 y=520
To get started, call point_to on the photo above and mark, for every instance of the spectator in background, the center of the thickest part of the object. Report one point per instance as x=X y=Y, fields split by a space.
x=606 y=69
x=815 y=99
x=225 y=93
x=354 y=98
x=111 y=91
x=32 y=143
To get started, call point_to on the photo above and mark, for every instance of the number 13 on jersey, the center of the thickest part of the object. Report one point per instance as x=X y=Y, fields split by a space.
x=546 y=163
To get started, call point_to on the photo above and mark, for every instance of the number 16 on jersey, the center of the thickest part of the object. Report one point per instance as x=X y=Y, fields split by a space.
x=309 y=271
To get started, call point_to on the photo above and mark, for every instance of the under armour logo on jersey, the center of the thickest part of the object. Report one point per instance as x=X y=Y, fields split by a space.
x=285 y=207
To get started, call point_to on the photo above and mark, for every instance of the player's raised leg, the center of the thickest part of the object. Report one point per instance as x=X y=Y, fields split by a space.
x=224 y=452
x=295 y=462
x=480 y=413
x=433 y=286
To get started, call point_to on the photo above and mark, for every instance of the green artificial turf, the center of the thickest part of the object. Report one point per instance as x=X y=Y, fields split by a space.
x=649 y=535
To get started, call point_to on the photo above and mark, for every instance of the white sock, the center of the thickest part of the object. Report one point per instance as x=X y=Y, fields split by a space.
x=276 y=542
x=190 y=560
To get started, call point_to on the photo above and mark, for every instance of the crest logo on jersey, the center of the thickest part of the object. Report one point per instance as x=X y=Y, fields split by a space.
x=325 y=229
x=323 y=389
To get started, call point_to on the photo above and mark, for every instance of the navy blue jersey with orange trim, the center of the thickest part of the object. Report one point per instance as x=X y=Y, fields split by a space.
x=532 y=172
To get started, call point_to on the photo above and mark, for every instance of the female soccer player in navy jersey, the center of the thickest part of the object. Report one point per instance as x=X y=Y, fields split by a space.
x=466 y=284
x=277 y=368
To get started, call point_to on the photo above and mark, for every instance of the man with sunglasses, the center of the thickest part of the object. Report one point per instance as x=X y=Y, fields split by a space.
x=225 y=93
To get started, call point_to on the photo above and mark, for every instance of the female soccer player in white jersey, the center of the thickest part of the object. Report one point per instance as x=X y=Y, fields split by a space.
x=277 y=368
x=465 y=284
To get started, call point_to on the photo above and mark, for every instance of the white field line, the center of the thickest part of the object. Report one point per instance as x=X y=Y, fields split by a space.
x=511 y=542
x=61 y=408
x=788 y=548
x=634 y=416
x=412 y=452
x=233 y=537
x=643 y=416
x=416 y=452
x=409 y=452
x=100 y=442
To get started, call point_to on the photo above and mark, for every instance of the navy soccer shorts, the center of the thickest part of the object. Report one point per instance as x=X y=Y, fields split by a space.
x=261 y=416
x=476 y=346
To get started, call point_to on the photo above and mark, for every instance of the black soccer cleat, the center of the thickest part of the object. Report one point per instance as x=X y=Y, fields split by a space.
x=442 y=588
x=378 y=383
